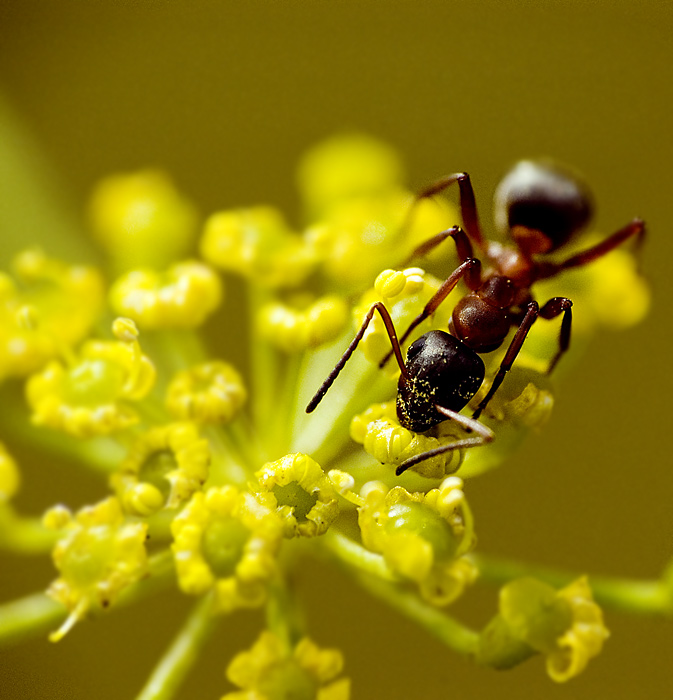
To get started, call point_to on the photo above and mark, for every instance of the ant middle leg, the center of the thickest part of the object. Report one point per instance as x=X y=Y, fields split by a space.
x=553 y=308
x=459 y=237
x=532 y=312
x=483 y=436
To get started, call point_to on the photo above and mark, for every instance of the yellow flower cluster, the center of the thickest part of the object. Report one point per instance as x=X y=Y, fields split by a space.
x=233 y=495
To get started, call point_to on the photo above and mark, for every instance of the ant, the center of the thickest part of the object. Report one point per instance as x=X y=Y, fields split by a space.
x=542 y=206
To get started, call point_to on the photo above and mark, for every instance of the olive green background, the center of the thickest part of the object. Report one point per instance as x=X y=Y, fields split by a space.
x=226 y=96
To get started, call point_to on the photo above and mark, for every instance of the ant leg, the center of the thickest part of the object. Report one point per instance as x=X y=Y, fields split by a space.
x=512 y=351
x=463 y=245
x=470 y=269
x=468 y=204
x=553 y=308
x=388 y=322
x=484 y=436
x=634 y=228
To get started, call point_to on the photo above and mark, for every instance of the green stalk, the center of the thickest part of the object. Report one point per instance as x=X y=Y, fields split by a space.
x=644 y=597
x=372 y=573
x=180 y=657
x=36 y=614
x=453 y=634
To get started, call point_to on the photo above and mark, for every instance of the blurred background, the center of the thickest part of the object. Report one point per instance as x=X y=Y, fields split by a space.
x=226 y=96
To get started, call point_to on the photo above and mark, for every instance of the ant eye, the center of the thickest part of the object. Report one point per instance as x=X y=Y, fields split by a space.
x=541 y=197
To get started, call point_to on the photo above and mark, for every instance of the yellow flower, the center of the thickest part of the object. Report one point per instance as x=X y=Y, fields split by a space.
x=583 y=639
x=257 y=244
x=378 y=430
x=271 y=670
x=99 y=555
x=566 y=626
x=303 y=323
x=91 y=394
x=164 y=467
x=63 y=303
x=404 y=293
x=301 y=493
x=211 y=392
x=422 y=536
x=182 y=297
x=10 y=477
x=225 y=540
x=142 y=220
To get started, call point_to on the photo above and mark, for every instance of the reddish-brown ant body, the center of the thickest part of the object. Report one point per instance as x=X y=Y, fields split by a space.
x=542 y=207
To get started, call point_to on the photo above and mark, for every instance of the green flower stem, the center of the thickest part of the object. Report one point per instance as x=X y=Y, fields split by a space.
x=645 y=597
x=264 y=363
x=285 y=409
x=29 y=617
x=34 y=205
x=176 y=663
x=174 y=349
x=355 y=555
x=228 y=465
x=24 y=535
x=452 y=633
x=373 y=575
x=100 y=455
x=325 y=432
x=37 y=614
x=284 y=617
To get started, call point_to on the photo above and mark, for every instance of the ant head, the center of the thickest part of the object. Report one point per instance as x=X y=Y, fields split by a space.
x=542 y=205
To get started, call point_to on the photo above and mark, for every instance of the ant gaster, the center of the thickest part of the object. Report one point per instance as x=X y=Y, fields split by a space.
x=542 y=207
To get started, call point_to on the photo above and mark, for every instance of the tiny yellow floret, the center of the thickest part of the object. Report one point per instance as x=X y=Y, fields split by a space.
x=99 y=555
x=303 y=323
x=379 y=431
x=211 y=392
x=10 y=478
x=257 y=244
x=163 y=468
x=182 y=297
x=227 y=541
x=141 y=219
x=302 y=494
x=423 y=537
x=91 y=395
x=272 y=670
x=44 y=311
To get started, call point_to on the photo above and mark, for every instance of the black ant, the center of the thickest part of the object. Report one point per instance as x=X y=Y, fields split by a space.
x=543 y=207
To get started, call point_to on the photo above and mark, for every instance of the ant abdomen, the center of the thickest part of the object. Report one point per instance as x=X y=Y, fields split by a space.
x=542 y=205
x=441 y=371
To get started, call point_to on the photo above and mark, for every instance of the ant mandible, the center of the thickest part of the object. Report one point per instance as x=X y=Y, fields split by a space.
x=543 y=207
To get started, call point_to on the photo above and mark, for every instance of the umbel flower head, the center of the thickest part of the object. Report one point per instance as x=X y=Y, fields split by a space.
x=220 y=466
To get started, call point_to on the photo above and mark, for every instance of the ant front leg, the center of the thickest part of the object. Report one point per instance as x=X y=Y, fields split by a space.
x=635 y=229
x=484 y=435
x=390 y=328
x=470 y=270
